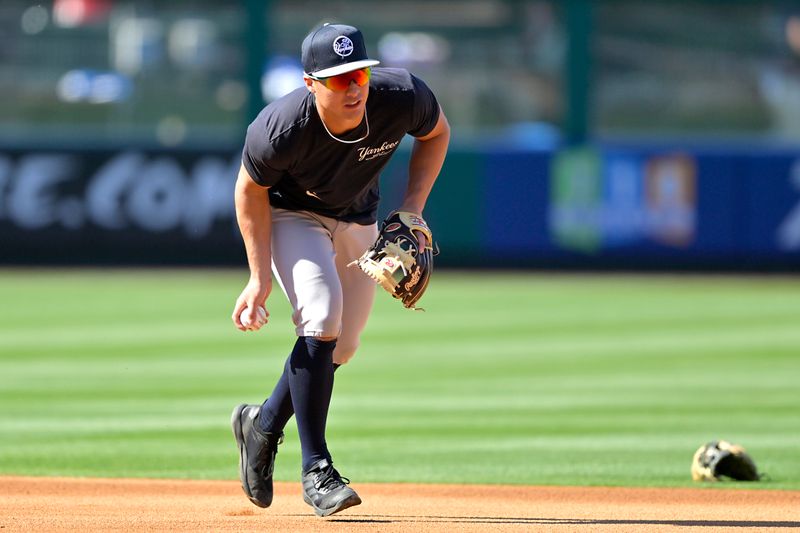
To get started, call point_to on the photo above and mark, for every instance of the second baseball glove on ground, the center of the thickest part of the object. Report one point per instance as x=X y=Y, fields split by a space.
x=721 y=458
x=396 y=262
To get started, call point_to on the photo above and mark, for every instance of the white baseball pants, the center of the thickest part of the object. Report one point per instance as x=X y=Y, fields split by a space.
x=310 y=254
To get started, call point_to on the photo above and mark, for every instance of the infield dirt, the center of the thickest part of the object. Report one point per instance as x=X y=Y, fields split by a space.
x=62 y=504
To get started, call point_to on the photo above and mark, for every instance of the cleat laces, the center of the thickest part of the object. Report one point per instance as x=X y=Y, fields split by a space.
x=328 y=480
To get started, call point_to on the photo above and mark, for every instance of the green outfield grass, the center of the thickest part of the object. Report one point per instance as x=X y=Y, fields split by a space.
x=507 y=378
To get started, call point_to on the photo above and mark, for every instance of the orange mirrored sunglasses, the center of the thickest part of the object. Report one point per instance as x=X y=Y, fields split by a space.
x=342 y=81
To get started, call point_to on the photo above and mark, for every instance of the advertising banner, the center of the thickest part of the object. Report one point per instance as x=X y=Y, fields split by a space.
x=584 y=207
x=117 y=207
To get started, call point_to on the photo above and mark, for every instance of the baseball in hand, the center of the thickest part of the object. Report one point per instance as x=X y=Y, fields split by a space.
x=253 y=322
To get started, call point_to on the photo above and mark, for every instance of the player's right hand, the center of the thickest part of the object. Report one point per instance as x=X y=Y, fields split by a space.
x=253 y=296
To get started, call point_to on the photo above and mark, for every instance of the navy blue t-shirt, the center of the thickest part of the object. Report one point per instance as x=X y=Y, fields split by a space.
x=288 y=149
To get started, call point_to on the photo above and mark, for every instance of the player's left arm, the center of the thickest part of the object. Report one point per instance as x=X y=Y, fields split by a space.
x=427 y=158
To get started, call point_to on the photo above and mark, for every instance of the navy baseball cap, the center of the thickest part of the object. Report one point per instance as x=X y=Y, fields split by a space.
x=333 y=49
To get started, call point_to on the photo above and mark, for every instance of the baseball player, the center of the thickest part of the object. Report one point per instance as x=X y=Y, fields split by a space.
x=306 y=203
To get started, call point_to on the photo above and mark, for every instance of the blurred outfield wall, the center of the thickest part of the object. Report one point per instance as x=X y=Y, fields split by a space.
x=615 y=133
x=617 y=206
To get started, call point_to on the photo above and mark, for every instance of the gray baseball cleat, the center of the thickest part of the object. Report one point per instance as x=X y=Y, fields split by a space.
x=326 y=491
x=257 y=452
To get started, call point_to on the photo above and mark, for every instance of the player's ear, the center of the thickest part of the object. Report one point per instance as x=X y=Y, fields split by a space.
x=309 y=84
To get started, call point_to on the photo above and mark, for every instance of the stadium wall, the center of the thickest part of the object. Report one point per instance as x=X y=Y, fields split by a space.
x=615 y=206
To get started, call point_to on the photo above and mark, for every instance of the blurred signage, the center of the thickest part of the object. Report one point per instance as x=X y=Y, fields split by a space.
x=670 y=205
x=619 y=206
x=108 y=198
x=788 y=234
x=610 y=200
x=126 y=190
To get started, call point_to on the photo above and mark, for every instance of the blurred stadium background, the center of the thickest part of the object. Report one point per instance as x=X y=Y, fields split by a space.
x=615 y=133
x=587 y=135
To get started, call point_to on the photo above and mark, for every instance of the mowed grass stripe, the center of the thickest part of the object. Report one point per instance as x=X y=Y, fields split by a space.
x=616 y=337
x=505 y=379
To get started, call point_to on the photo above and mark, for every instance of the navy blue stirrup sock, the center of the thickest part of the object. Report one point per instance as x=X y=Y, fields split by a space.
x=277 y=410
x=310 y=379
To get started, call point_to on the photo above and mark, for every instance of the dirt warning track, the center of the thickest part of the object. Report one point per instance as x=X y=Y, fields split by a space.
x=65 y=504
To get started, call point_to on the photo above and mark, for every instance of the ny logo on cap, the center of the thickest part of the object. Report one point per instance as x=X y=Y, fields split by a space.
x=343 y=46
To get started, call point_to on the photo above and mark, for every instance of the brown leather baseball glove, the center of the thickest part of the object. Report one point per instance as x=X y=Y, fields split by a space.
x=718 y=459
x=396 y=262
